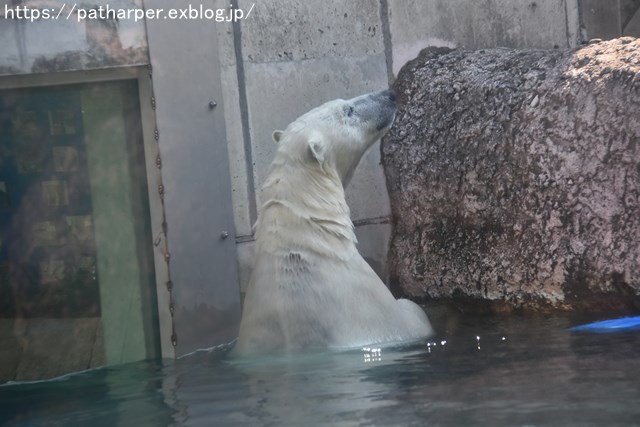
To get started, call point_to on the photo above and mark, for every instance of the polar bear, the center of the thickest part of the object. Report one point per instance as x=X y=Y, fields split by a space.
x=310 y=289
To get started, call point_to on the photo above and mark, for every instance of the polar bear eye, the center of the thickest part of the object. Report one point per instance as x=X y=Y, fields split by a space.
x=348 y=111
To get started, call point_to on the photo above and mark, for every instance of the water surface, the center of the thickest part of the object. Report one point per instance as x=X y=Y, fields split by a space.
x=505 y=370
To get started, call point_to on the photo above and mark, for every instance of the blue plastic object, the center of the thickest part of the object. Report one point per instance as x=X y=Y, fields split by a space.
x=613 y=325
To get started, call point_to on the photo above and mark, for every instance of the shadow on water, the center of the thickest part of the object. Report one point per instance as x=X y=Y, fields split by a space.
x=505 y=370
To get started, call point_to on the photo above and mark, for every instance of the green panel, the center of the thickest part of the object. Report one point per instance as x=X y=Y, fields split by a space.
x=114 y=214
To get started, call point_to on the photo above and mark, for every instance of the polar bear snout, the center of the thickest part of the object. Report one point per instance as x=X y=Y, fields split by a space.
x=387 y=99
x=378 y=108
x=388 y=112
x=389 y=94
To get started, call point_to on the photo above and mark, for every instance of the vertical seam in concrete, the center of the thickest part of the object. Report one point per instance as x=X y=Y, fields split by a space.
x=244 y=117
x=580 y=33
x=567 y=32
x=571 y=39
x=620 y=28
x=386 y=39
x=625 y=24
x=582 y=28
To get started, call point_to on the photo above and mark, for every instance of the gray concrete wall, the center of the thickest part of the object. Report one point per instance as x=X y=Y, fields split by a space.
x=609 y=19
x=416 y=24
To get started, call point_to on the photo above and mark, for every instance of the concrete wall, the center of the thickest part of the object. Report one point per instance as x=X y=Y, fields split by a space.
x=609 y=19
x=545 y=24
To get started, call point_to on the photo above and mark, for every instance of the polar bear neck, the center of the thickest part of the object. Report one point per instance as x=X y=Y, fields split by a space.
x=309 y=198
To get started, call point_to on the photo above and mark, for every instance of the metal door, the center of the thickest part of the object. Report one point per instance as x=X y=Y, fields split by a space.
x=196 y=185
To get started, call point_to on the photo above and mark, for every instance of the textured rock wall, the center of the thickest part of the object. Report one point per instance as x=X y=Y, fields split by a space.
x=514 y=177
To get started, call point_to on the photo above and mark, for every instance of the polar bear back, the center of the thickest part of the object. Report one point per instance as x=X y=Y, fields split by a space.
x=351 y=308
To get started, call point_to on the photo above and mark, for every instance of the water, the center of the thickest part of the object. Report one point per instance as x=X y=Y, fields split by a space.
x=511 y=371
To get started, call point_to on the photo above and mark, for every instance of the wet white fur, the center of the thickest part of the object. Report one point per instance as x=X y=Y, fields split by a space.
x=310 y=288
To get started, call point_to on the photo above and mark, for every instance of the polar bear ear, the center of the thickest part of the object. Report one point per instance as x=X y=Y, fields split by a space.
x=317 y=149
x=277 y=135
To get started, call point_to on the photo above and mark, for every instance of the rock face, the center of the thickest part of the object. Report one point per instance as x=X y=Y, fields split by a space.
x=514 y=178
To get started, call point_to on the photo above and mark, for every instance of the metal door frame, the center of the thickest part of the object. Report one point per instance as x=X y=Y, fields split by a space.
x=141 y=75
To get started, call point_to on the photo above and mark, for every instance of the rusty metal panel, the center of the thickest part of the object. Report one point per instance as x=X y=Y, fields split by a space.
x=196 y=184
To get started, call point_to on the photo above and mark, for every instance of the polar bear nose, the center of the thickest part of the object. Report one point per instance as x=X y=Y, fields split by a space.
x=389 y=93
x=385 y=109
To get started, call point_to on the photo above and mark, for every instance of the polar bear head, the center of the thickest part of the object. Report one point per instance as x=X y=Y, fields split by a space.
x=334 y=136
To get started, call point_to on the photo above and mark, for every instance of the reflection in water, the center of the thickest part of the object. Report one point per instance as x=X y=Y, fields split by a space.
x=529 y=370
